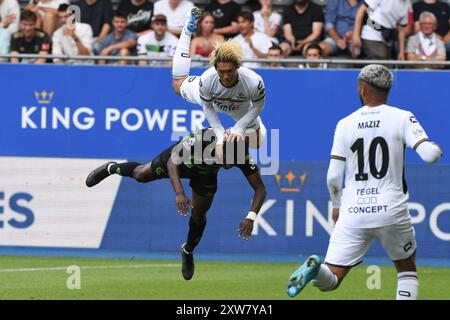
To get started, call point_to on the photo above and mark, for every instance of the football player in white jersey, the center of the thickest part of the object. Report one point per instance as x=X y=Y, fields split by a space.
x=225 y=87
x=369 y=147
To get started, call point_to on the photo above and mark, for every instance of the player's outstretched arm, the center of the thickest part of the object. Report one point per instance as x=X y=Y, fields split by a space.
x=429 y=151
x=182 y=201
x=246 y=225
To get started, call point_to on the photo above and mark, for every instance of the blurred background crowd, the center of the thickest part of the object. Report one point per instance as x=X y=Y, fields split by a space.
x=266 y=29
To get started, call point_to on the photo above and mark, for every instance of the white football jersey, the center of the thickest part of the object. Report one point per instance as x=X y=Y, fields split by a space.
x=235 y=101
x=372 y=141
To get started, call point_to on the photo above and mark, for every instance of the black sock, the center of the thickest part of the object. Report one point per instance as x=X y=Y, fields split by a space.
x=124 y=169
x=195 y=234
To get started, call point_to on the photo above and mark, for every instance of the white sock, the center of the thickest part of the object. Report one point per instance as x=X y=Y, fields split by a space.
x=407 y=285
x=182 y=59
x=325 y=279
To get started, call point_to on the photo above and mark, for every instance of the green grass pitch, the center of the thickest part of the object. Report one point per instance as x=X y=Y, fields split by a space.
x=47 y=277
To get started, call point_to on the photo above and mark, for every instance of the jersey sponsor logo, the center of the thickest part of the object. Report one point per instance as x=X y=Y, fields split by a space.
x=369 y=209
x=225 y=108
x=369 y=124
x=185 y=55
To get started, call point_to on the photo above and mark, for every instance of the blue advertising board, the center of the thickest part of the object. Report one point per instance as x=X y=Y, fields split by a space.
x=67 y=119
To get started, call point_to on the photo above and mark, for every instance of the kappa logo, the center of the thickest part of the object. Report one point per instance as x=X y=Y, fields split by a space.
x=294 y=183
x=413 y=119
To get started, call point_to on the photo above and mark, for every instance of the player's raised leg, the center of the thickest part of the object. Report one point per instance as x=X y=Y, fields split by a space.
x=197 y=224
x=141 y=173
x=324 y=276
x=182 y=58
x=303 y=275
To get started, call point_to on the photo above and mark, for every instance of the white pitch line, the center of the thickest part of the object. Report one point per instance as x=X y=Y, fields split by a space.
x=124 y=266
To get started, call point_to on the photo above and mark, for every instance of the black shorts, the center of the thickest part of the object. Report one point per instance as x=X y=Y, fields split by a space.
x=203 y=184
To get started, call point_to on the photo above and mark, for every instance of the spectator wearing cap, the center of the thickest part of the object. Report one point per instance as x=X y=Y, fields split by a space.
x=387 y=24
x=203 y=43
x=255 y=44
x=176 y=12
x=339 y=24
x=158 y=43
x=29 y=39
x=426 y=44
x=139 y=14
x=72 y=38
x=225 y=13
x=302 y=24
x=119 y=42
x=267 y=20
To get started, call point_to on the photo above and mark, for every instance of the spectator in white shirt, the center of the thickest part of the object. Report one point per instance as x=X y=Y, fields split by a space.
x=255 y=44
x=267 y=20
x=48 y=10
x=72 y=38
x=387 y=20
x=176 y=12
x=9 y=15
x=158 y=43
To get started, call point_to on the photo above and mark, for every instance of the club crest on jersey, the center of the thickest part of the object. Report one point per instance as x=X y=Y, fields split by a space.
x=369 y=124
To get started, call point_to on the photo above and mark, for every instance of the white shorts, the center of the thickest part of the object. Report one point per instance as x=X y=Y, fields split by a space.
x=190 y=91
x=348 y=246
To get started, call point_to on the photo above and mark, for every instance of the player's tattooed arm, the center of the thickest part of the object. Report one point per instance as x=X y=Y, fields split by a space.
x=182 y=201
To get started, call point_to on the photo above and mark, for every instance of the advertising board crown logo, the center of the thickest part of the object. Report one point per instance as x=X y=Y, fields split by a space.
x=44 y=97
x=290 y=182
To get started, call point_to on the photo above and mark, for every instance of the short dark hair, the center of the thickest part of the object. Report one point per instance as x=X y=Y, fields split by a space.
x=120 y=14
x=28 y=15
x=63 y=7
x=246 y=15
x=276 y=47
x=314 y=45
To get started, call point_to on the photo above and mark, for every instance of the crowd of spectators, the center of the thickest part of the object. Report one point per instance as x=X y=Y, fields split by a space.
x=358 y=29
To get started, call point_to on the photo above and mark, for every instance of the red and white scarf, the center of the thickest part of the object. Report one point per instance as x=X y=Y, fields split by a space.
x=428 y=44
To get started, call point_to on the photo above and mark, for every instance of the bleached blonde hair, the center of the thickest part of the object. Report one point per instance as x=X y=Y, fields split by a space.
x=228 y=51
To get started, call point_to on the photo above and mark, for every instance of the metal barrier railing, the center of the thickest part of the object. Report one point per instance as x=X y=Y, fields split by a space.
x=287 y=62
